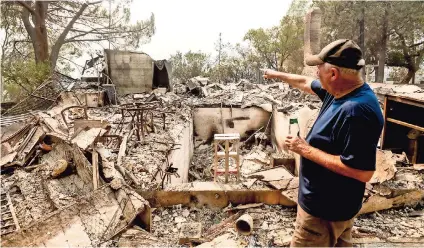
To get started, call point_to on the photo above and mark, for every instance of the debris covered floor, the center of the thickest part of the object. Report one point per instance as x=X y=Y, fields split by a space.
x=140 y=172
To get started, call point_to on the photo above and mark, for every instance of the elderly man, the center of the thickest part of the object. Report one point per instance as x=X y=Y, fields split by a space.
x=339 y=153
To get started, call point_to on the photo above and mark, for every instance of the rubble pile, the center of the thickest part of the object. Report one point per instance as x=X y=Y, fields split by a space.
x=391 y=224
x=49 y=160
x=200 y=92
x=273 y=225
x=83 y=146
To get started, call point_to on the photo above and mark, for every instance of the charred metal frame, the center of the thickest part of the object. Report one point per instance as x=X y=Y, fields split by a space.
x=142 y=117
x=71 y=107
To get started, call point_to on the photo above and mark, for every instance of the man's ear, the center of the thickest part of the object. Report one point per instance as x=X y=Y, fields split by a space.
x=335 y=73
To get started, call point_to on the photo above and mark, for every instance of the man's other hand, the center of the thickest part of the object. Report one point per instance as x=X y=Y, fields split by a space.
x=269 y=74
x=296 y=144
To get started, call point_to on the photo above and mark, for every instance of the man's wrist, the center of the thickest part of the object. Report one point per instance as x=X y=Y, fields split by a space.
x=306 y=151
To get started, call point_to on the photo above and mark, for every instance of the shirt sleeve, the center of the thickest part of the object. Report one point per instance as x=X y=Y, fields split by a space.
x=317 y=88
x=359 y=145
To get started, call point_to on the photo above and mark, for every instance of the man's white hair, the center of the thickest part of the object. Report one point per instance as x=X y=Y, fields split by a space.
x=344 y=71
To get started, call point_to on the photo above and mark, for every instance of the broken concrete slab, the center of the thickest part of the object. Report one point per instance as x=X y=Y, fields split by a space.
x=80 y=124
x=274 y=174
x=385 y=167
x=377 y=202
x=418 y=167
x=190 y=232
x=134 y=206
x=5 y=148
x=193 y=84
x=135 y=237
x=249 y=182
x=258 y=155
x=221 y=241
x=82 y=166
x=6 y=159
x=53 y=127
x=87 y=136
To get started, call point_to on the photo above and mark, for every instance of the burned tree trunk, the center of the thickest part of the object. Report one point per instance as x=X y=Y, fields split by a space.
x=38 y=32
x=311 y=38
x=409 y=76
x=383 y=47
x=362 y=36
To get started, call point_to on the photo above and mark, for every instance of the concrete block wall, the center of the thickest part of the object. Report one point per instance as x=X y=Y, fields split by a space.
x=131 y=72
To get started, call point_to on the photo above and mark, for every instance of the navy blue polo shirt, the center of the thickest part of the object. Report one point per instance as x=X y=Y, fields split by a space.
x=349 y=127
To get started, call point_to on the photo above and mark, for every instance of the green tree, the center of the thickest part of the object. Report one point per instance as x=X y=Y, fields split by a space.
x=190 y=64
x=49 y=26
x=406 y=42
x=393 y=31
x=20 y=78
x=236 y=62
x=280 y=47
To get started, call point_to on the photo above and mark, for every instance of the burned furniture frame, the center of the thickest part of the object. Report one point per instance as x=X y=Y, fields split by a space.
x=404 y=126
x=142 y=117
x=9 y=221
x=73 y=107
x=168 y=171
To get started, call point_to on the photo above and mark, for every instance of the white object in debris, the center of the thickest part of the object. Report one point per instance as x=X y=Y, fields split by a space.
x=86 y=137
x=259 y=156
x=274 y=174
x=156 y=218
x=385 y=167
x=202 y=80
x=104 y=152
x=264 y=225
x=238 y=96
x=180 y=219
x=186 y=213
x=225 y=240
x=160 y=90
x=138 y=96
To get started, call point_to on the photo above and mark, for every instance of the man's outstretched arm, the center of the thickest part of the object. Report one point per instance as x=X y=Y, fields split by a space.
x=298 y=81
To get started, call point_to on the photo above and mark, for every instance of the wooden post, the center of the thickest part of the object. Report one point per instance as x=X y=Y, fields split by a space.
x=227 y=162
x=95 y=164
x=415 y=154
x=237 y=161
x=215 y=161
x=383 y=134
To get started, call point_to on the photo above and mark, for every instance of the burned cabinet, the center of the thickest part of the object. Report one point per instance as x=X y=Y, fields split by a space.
x=404 y=127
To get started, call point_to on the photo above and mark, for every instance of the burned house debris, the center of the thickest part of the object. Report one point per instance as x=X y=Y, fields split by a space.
x=142 y=169
x=132 y=159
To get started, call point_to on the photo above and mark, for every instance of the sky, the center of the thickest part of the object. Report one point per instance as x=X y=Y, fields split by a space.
x=183 y=25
